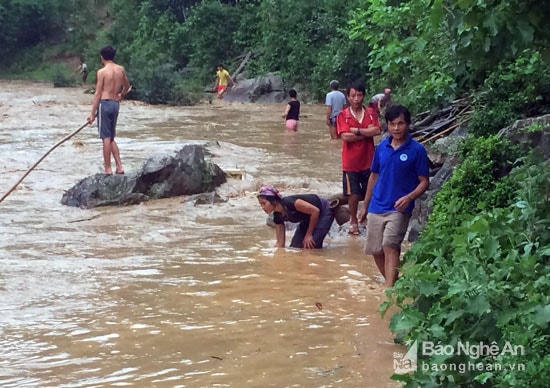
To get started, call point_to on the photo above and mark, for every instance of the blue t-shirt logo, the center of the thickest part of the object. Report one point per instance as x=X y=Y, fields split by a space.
x=403 y=157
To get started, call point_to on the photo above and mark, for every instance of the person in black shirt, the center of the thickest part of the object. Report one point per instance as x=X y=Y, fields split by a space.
x=292 y=111
x=311 y=212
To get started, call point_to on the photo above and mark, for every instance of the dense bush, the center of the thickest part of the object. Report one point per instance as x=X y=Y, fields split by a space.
x=514 y=90
x=481 y=275
x=433 y=51
x=305 y=42
x=62 y=77
x=479 y=181
x=25 y=25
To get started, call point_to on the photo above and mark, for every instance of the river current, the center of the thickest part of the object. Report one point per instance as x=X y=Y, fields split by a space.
x=166 y=293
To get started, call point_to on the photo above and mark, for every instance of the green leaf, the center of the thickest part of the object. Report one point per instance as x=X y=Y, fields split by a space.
x=437 y=331
x=406 y=320
x=428 y=288
x=436 y=15
x=542 y=316
x=484 y=377
x=545 y=251
x=478 y=305
x=457 y=288
x=491 y=247
x=487 y=44
x=465 y=4
x=453 y=315
x=522 y=204
x=491 y=24
x=401 y=377
x=525 y=30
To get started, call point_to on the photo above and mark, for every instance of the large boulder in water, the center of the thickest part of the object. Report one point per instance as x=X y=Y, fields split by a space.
x=185 y=173
x=267 y=89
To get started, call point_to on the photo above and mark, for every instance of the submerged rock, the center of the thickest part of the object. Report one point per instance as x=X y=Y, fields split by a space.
x=164 y=176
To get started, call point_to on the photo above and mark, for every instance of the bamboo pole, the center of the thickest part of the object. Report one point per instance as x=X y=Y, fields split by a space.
x=443 y=132
x=41 y=159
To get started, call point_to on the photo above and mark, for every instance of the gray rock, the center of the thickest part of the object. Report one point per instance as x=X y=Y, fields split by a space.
x=162 y=176
x=532 y=133
x=424 y=205
x=267 y=89
x=207 y=199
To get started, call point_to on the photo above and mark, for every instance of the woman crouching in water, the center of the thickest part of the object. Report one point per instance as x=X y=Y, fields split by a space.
x=311 y=212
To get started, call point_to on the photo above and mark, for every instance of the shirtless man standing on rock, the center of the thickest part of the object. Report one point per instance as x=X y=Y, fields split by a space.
x=112 y=84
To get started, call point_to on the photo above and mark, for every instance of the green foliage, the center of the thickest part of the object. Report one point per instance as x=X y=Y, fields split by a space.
x=481 y=276
x=207 y=37
x=147 y=41
x=408 y=52
x=518 y=88
x=342 y=61
x=489 y=120
x=305 y=42
x=28 y=24
x=498 y=30
x=62 y=77
x=428 y=51
x=302 y=41
x=477 y=182
x=431 y=51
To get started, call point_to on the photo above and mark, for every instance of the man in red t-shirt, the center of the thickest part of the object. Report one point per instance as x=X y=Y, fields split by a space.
x=357 y=125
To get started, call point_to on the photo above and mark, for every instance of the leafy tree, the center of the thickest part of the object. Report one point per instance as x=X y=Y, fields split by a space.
x=499 y=30
x=407 y=51
x=432 y=51
x=516 y=89
x=207 y=37
x=306 y=43
x=27 y=24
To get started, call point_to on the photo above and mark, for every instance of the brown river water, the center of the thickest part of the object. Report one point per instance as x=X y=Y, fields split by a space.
x=165 y=293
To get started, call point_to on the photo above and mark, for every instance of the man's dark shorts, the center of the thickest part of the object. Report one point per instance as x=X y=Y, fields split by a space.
x=355 y=182
x=107 y=115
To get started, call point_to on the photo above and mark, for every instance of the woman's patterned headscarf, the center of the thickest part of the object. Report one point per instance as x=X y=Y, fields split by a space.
x=270 y=191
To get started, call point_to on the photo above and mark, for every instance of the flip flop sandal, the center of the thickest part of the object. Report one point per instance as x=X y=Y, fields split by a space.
x=354 y=229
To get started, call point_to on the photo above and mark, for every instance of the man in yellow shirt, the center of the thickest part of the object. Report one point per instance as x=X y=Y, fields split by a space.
x=222 y=78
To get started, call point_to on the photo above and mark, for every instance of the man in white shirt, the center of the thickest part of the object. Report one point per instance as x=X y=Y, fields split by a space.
x=83 y=71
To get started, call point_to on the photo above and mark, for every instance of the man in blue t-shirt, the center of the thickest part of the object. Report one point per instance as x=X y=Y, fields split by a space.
x=399 y=175
x=335 y=101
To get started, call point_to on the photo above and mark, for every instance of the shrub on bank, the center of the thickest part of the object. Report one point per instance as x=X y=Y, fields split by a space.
x=514 y=90
x=481 y=274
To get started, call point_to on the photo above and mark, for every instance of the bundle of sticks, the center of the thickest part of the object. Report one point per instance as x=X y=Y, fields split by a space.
x=429 y=126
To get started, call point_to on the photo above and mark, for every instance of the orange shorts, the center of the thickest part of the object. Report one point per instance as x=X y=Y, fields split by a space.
x=221 y=88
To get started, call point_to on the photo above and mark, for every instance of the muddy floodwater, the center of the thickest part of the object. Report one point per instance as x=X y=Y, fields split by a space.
x=166 y=293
